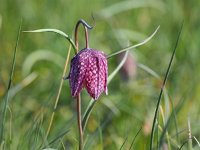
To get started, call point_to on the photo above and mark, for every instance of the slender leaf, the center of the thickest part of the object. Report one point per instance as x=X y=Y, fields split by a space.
x=189 y=136
x=128 y=5
x=5 y=106
x=175 y=110
x=136 y=45
x=123 y=143
x=39 y=55
x=161 y=91
x=135 y=138
x=57 y=32
x=197 y=141
x=58 y=137
x=25 y=82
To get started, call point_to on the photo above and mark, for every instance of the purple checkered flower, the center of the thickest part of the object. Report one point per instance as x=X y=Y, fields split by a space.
x=89 y=69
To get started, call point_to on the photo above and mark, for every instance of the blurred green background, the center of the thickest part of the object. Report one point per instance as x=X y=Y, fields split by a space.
x=133 y=93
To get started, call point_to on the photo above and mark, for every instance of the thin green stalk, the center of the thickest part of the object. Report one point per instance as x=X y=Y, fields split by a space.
x=189 y=136
x=165 y=129
x=78 y=109
x=135 y=138
x=59 y=92
x=161 y=91
x=123 y=143
x=5 y=106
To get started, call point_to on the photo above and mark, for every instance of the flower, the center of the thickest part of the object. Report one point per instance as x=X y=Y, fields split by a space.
x=89 y=69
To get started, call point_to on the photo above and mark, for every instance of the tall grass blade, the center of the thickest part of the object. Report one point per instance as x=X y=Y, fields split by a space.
x=5 y=106
x=58 y=137
x=161 y=91
x=59 y=92
x=197 y=141
x=173 y=113
x=135 y=138
x=59 y=32
x=92 y=102
x=189 y=136
x=136 y=45
x=123 y=143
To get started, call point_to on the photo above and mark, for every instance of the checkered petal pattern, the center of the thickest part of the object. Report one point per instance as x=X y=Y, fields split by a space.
x=89 y=69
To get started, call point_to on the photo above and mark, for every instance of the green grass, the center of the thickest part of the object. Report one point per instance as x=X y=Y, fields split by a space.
x=31 y=75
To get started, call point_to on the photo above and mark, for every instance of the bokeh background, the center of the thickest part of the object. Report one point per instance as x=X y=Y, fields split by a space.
x=133 y=92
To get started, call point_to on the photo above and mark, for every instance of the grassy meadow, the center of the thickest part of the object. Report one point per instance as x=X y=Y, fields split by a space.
x=32 y=91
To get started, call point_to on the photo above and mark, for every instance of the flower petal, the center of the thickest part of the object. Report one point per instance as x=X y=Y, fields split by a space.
x=89 y=68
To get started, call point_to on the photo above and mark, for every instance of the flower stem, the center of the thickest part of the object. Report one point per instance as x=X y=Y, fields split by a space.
x=86 y=26
x=78 y=107
x=79 y=122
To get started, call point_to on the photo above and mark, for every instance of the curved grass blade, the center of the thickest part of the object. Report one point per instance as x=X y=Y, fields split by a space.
x=198 y=143
x=111 y=76
x=57 y=32
x=5 y=106
x=136 y=45
x=128 y=5
x=58 y=137
x=123 y=143
x=135 y=138
x=161 y=91
x=25 y=82
x=92 y=102
x=38 y=56
x=185 y=142
x=149 y=70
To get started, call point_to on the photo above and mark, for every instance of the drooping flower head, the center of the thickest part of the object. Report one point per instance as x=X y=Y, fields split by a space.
x=89 y=69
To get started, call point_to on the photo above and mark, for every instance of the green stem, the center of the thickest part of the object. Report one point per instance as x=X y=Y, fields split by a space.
x=58 y=94
x=78 y=108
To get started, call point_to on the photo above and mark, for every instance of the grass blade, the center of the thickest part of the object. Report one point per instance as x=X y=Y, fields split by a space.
x=59 y=92
x=123 y=143
x=135 y=138
x=24 y=83
x=189 y=136
x=59 y=32
x=58 y=137
x=198 y=143
x=161 y=91
x=40 y=55
x=174 y=112
x=5 y=106
x=111 y=76
x=92 y=102
x=136 y=45
x=127 y=5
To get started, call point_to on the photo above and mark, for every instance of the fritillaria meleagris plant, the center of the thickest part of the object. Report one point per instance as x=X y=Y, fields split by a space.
x=88 y=69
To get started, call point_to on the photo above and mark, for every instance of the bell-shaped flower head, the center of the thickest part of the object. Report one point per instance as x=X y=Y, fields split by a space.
x=89 y=69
